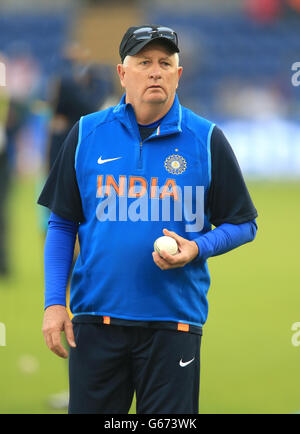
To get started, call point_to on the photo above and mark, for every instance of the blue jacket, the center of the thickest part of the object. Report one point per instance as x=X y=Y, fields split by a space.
x=130 y=191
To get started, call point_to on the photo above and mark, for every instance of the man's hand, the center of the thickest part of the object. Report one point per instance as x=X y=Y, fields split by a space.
x=56 y=320
x=188 y=250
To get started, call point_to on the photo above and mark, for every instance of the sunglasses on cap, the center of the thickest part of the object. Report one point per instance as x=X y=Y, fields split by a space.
x=148 y=33
x=136 y=38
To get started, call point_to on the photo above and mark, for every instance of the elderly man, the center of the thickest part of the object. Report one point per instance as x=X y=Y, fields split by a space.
x=126 y=176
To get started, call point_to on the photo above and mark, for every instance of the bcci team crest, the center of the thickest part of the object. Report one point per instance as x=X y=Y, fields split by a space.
x=175 y=164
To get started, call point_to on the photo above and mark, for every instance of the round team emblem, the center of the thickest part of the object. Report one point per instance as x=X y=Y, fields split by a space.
x=175 y=164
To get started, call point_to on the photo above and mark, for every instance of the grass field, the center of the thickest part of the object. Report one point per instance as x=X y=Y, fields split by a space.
x=249 y=364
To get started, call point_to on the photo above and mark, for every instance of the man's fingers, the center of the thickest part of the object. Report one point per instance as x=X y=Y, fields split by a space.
x=53 y=342
x=170 y=259
x=56 y=320
x=187 y=249
x=69 y=334
x=172 y=234
x=57 y=347
x=165 y=264
x=48 y=340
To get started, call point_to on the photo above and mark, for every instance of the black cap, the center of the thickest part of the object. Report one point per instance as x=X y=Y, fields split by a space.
x=138 y=37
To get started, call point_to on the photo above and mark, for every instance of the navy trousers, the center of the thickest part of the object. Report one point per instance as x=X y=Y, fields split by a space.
x=112 y=362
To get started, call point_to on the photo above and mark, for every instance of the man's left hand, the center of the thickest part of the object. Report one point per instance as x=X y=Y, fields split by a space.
x=187 y=251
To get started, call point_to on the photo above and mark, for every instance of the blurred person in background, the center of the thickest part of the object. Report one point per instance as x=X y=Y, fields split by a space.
x=268 y=11
x=4 y=170
x=16 y=99
x=81 y=89
x=263 y=11
x=23 y=86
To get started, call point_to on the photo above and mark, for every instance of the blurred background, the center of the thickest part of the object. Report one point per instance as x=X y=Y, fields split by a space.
x=241 y=62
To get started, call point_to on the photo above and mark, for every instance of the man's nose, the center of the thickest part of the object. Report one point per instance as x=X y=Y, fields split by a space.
x=155 y=72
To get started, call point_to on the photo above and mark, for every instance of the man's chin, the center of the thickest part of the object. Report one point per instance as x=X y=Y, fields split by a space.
x=156 y=99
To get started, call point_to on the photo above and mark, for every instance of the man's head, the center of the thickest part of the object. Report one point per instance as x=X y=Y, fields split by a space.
x=150 y=65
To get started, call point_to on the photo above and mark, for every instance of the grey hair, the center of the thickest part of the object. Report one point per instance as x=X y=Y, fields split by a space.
x=125 y=61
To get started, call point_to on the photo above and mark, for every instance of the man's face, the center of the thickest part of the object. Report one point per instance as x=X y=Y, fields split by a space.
x=151 y=76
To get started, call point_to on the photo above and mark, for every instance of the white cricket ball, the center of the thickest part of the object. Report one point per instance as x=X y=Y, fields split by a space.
x=168 y=244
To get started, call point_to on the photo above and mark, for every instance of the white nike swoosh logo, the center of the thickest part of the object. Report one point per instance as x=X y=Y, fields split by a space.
x=183 y=364
x=100 y=161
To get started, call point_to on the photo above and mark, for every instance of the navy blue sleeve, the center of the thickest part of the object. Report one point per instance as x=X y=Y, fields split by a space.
x=59 y=250
x=229 y=200
x=61 y=193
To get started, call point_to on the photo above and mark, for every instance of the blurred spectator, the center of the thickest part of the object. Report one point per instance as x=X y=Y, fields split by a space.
x=269 y=10
x=263 y=10
x=4 y=176
x=23 y=80
x=21 y=83
x=80 y=90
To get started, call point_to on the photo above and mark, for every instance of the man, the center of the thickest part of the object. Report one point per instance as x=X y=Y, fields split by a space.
x=127 y=175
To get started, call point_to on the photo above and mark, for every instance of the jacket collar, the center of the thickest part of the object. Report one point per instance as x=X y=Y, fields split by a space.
x=170 y=124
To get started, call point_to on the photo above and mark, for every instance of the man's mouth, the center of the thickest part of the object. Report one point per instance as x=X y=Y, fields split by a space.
x=154 y=86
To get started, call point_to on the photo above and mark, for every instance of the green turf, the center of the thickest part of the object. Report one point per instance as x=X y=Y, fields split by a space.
x=249 y=364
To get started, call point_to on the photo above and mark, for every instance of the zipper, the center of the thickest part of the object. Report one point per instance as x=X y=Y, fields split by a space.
x=140 y=164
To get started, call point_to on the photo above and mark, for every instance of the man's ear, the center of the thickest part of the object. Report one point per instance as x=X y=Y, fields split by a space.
x=180 y=69
x=121 y=73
